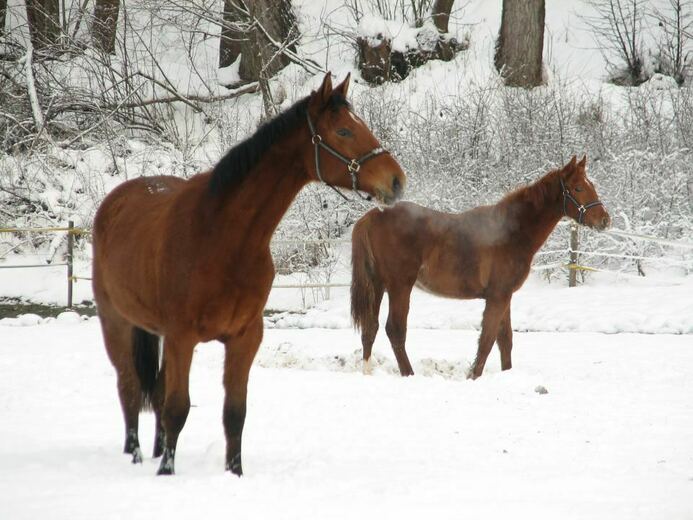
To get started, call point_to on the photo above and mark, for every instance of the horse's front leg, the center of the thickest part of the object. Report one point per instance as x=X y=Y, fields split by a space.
x=493 y=314
x=240 y=352
x=505 y=340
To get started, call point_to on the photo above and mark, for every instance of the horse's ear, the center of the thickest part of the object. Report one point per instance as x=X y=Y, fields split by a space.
x=582 y=162
x=322 y=95
x=570 y=167
x=343 y=87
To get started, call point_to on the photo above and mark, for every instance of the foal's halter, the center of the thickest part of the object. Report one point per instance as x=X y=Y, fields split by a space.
x=353 y=165
x=582 y=209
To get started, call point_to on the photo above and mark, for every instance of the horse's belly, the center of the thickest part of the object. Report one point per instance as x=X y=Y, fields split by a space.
x=447 y=283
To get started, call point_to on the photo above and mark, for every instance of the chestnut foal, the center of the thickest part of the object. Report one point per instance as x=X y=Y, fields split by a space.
x=485 y=252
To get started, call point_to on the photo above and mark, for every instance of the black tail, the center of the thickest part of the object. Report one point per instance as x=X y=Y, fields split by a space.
x=145 y=351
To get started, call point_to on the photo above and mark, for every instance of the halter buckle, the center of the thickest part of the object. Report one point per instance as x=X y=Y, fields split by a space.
x=316 y=139
x=354 y=166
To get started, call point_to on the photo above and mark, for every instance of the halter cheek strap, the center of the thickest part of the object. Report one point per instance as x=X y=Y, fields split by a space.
x=581 y=208
x=353 y=165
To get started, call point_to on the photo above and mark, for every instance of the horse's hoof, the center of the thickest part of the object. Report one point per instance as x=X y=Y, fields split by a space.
x=137 y=456
x=367 y=367
x=234 y=465
x=131 y=442
x=167 y=463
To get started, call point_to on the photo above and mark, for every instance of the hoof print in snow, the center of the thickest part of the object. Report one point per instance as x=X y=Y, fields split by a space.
x=541 y=390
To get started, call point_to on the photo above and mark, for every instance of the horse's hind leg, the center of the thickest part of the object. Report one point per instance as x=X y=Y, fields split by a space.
x=240 y=352
x=370 y=330
x=505 y=340
x=396 y=326
x=158 y=406
x=117 y=334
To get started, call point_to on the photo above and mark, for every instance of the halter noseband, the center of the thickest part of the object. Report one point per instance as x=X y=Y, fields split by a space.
x=353 y=165
x=581 y=208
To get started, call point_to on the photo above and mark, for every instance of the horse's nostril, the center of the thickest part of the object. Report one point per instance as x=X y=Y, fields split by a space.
x=396 y=186
x=605 y=222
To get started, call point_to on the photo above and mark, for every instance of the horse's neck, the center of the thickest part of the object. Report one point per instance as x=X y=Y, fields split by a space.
x=539 y=220
x=255 y=208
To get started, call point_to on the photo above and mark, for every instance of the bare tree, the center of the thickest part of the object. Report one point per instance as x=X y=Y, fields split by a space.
x=105 y=24
x=521 y=43
x=44 y=22
x=617 y=26
x=677 y=24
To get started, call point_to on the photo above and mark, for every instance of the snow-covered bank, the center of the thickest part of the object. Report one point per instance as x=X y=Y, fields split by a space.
x=611 y=439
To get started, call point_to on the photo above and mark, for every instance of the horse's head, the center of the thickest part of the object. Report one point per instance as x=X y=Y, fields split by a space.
x=580 y=199
x=345 y=153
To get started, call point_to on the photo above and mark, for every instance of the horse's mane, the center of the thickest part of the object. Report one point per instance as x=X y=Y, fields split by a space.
x=537 y=193
x=239 y=161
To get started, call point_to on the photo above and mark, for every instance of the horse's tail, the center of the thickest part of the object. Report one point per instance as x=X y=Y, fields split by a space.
x=363 y=275
x=145 y=351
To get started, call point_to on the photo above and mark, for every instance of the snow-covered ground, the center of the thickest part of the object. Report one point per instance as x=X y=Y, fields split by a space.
x=611 y=439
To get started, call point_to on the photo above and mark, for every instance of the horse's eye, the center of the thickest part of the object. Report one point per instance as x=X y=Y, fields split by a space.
x=578 y=189
x=344 y=132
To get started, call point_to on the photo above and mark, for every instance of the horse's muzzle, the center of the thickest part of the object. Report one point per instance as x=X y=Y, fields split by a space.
x=392 y=195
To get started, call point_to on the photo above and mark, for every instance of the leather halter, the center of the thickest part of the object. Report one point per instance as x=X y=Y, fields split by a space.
x=353 y=165
x=581 y=208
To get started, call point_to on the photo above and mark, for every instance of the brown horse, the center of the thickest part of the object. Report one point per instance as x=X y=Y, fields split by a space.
x=485 y=252
x=189 y=260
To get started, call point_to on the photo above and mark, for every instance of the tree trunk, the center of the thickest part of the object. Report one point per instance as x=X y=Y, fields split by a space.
x=521 y=42
x=3 y=14
x=44 y=22
x=259 y=56
x=374 y=60
x=441 y=14
x=105 y=24
x=231 y=34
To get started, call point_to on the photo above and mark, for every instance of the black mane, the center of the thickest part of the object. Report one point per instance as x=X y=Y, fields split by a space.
x=235 y=166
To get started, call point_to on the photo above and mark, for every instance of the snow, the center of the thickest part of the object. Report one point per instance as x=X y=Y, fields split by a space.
x=610 y=439
x=660 y=82
x=647 y=307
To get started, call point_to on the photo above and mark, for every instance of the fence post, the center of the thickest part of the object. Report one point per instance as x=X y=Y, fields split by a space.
x=572 y=272
x=70 y=243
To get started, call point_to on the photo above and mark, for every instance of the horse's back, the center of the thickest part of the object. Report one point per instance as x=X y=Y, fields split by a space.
x=448 y=254
x=134 y=199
